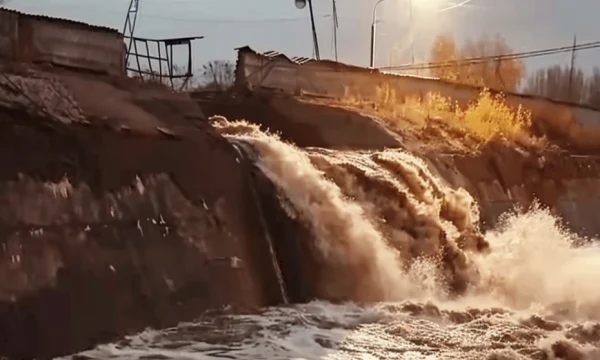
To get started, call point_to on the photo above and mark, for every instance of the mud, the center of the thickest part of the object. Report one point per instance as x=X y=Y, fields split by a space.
x=499 y=175
x=303 y=123
x=383 y=218
x=507 y=178
x=391 y=235
x=111 y=222
x=122 y=208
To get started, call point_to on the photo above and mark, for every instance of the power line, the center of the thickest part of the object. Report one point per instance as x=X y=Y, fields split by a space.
x=216 y=20
x=454 y=6
x=236 y=21
x=501 y=57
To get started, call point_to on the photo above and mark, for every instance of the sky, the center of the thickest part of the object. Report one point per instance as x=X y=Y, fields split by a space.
x=279 y=25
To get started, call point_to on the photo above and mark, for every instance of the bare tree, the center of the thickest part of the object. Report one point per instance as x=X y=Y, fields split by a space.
x=557 y=82
x=593 y=89
x=218 y=74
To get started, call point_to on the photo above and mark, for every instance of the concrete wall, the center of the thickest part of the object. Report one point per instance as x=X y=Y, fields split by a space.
x=334 y=79
x=37 y=39
x=55 y=43
x=8 y=34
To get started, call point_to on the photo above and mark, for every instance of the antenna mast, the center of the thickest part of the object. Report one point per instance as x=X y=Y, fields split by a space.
x=129 y=27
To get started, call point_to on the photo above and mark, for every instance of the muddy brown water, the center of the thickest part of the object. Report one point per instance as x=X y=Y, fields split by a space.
x=405 y=270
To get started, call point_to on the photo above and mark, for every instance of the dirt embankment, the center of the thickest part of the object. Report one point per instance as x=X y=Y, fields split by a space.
x=122 y=208
x=302 y=123
x=500 y=175
x=119 y=210
x=500 y=180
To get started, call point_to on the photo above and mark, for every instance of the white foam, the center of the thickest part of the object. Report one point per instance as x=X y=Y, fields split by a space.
x=534 y=293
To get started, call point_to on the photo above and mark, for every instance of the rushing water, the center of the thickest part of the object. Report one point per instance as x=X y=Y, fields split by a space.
x=394 y=236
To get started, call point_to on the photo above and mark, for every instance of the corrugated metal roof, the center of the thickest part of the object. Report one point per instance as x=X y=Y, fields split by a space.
x=63 y=21
x=338 y=65
x=271 y=54
x=300 y=60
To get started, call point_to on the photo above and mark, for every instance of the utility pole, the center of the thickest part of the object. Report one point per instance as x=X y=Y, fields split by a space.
x=335 y=27
x=412 y=40
x=572 y=68
x=499 y=73
x=314 y=30
x=301 y=4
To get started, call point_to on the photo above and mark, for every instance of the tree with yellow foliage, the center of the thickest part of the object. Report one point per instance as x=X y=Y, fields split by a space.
x=494 y=72
x=444 y=49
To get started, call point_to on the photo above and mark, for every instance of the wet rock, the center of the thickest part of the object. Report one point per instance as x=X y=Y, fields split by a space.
x=567 y=351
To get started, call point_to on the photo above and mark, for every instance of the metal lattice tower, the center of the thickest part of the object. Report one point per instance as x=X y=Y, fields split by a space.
x=129 y=27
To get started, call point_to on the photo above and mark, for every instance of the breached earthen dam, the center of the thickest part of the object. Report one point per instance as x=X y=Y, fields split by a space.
x=126 y=207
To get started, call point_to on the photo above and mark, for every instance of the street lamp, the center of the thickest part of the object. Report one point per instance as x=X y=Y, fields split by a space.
x=373 y=29
x=301 y=4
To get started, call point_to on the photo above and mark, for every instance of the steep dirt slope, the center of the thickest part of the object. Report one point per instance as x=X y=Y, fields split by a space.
x=303 y=123
x=118 y=210
x=499 y=174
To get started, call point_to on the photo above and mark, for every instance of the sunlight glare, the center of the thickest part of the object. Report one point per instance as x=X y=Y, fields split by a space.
x=428 y=4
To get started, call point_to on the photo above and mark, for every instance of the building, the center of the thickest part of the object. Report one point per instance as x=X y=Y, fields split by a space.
x=293 y=75
x=44 y=40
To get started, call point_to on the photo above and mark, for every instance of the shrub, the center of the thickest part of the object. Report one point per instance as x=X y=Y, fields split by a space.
x=487 y=117
x=490 y=116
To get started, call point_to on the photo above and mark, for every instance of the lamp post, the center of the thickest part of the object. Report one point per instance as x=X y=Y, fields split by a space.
x=373 y=28
x=301 y=4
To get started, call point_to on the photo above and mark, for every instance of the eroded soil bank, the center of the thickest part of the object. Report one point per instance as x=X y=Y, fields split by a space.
x=499 y=175
x=123 y=209
x=120 y=210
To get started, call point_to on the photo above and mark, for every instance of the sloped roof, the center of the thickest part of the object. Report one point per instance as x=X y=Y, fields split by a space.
x=298 y=60
x=341 y=66
x=69 y=22
x=334 y=65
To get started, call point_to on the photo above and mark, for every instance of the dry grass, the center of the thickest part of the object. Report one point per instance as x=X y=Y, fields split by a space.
x=486 y=118
x=490 y=116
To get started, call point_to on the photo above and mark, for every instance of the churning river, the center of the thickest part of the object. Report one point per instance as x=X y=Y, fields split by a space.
x=397 y=238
